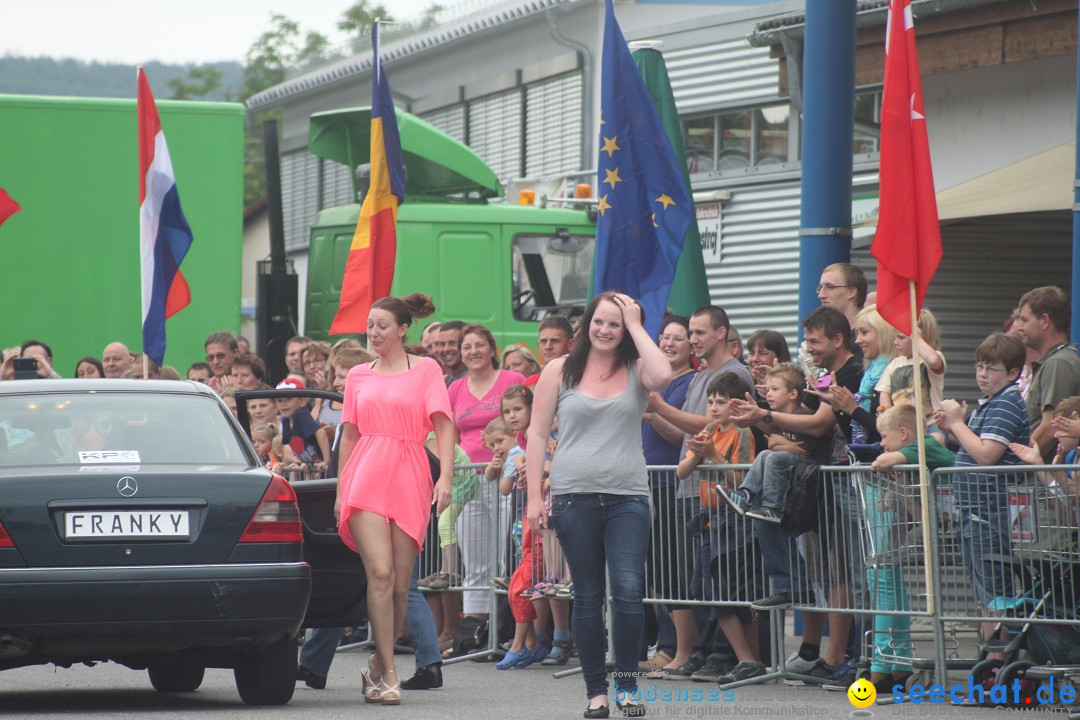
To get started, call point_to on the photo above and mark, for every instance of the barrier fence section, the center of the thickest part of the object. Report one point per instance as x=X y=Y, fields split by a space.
x=1001 y=547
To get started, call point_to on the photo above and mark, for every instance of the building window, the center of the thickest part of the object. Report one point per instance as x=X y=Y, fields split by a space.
x=739 y=141
x=867 y=123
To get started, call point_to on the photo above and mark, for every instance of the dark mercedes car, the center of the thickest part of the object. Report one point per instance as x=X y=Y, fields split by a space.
x=137 y=526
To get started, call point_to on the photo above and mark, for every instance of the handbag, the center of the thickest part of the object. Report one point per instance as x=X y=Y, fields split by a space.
x=802 y=501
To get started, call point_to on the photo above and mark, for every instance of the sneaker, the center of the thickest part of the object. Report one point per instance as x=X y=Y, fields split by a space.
x=745 y=670
x=779 y=601
x=798 y=664
x=502 y=583
x=712 y=669
x=833 y=676
x=737 y=499
x=838 y=677
x=686 y=670
x=559 y=655
x=766 y=514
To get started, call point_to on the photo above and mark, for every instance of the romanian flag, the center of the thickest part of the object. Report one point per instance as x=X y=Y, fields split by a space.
x=164 y=234
x=369 y=271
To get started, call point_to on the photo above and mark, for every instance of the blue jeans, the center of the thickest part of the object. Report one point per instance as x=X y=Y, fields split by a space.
x=767 y=479
x=986 y=531
x=321 y=643
x=781 y=559
x=599 y=531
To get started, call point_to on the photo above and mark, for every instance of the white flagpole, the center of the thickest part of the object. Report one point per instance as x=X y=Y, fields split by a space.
x=920 y=429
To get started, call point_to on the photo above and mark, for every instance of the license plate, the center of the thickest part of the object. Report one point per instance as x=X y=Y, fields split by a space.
x=120 y=524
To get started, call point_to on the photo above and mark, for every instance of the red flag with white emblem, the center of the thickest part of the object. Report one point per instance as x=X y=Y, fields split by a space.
x=907 y=243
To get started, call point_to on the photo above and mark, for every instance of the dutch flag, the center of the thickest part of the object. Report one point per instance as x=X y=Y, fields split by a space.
x=164 y=235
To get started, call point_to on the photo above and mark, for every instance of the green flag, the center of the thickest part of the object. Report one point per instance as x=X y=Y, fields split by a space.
x=690 y=290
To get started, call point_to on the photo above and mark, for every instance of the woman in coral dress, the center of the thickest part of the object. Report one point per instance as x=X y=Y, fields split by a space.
x=385 y=491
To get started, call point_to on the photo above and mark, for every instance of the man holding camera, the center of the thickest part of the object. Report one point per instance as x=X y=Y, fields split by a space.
x=33 y=361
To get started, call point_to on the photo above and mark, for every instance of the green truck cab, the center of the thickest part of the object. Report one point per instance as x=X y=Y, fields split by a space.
x=481 y=259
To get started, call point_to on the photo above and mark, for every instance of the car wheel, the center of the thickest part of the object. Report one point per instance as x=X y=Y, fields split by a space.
x=176 y=678
x=268 y=676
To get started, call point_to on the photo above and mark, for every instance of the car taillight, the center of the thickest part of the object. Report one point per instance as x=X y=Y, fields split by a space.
x=5 y=539
x=277 y=519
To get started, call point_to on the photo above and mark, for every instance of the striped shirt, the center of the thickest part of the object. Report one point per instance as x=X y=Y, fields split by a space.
x=1002 y=418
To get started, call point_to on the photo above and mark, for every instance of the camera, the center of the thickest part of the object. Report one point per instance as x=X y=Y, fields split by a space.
x=26 y=368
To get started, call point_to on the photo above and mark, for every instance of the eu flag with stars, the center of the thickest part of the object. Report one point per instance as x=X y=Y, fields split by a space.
x=644 y=204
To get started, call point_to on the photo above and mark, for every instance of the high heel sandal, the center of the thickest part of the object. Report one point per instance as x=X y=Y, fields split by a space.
x=389 y=694
x=369 y=686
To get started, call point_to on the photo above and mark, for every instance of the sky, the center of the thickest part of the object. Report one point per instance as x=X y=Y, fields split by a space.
x=138 y=31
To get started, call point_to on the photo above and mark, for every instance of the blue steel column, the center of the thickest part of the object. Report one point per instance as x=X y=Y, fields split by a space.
x=828 y=128
x=1076 y=217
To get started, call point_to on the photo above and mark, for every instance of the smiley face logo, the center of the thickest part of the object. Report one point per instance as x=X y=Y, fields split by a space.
x=862 y=693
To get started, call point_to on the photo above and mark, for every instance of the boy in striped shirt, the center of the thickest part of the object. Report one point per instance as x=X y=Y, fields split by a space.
x=982 y=497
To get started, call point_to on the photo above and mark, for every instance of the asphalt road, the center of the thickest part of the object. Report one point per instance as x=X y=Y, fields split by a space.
x=472 y=690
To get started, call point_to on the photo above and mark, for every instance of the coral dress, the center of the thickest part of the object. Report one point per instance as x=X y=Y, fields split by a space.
x=388 y=472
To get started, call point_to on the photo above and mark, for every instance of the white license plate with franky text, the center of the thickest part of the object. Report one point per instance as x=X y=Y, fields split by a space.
x=126 y=524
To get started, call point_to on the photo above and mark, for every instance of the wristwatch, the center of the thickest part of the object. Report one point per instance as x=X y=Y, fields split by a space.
x=768 y=418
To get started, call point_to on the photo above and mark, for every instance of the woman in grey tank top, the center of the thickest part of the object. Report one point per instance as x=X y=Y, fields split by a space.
x=599 y=487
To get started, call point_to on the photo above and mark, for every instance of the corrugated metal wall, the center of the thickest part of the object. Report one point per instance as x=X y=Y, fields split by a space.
x=756 y=279
x=727 y=73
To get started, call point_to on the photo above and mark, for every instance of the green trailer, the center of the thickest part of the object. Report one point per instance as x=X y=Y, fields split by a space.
x=482 y=260
x=71 y=272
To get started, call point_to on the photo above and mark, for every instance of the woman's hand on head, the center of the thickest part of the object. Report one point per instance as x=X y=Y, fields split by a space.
x=631 y=311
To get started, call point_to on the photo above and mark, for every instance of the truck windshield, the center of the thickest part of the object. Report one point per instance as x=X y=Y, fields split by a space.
x=551 y=275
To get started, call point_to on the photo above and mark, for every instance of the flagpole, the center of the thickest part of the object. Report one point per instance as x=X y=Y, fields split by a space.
x=920 y=431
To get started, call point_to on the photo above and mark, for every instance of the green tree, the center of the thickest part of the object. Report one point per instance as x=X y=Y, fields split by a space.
x=430 y=16
x=281 y=46
x=199 y=83
x=361 y=15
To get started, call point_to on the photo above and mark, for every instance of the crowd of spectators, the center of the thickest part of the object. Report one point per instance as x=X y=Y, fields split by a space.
x=758 y=403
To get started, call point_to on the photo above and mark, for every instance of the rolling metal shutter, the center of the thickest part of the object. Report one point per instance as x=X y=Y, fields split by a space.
x=553 y=126
x=299 y=196
x=724 y=74
x=495 y=132
x=451 y=120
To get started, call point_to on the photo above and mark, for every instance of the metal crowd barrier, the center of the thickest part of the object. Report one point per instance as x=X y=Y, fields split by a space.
x=1001 y=550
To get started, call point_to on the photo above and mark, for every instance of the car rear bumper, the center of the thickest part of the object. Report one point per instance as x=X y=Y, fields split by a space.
x=196 y=602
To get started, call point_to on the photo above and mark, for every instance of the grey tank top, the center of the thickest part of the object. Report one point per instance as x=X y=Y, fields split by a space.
x=599 y=448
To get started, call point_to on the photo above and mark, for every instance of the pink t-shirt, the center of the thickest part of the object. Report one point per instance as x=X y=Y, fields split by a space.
x=471 y=415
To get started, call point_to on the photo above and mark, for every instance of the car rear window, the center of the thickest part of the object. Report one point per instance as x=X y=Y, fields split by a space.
x=116 y=429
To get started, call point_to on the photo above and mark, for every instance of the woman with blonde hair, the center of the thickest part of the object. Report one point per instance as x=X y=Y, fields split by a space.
x=876 y=338
x=518 y=358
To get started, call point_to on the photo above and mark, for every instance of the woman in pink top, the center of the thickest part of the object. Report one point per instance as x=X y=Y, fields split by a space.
x=385 y=489
x=476 y=401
